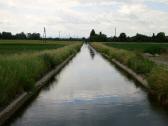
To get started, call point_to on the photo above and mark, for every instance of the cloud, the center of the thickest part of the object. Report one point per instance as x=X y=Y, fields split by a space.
x=78 y=17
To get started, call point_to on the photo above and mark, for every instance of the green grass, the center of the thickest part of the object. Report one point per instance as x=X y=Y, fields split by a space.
x=22 y=46
x=133 y=60
x=156 y=75
x=158 y=81
x=152 y=48
x=20 y=71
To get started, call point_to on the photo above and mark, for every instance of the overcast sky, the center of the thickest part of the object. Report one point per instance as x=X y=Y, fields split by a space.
x=78 y=17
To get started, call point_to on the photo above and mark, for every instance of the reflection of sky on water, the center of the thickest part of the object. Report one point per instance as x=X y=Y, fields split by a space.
x=88 y=79
x=91 y=92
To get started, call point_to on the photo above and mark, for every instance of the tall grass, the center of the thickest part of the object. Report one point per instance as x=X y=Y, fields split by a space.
x=157 y=76
x=18 y=73
x=133 y=60
x=158 y=80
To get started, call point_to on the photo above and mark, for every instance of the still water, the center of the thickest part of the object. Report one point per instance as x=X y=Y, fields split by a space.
x=90 y=91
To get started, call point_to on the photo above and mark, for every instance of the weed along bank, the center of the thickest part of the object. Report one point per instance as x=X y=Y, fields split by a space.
x=23 y=75
x=151 y=75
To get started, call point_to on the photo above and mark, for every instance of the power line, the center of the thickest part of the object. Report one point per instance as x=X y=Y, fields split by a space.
x=59 y=34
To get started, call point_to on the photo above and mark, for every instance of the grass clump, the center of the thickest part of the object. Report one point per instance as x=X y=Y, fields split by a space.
x=18 y=73
x=158 y=81
x=141 y=65
x=133 y=60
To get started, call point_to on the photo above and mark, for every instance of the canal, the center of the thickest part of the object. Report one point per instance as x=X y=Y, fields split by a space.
x=90 y=91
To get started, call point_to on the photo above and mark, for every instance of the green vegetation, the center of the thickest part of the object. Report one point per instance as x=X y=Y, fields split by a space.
x=141 y=47
x=158 y=80
x=21 y=48
x=141 y=65
x=159 y=37
x=156 y=75
x=25 y=46
x=19 y=72
x=133 y=60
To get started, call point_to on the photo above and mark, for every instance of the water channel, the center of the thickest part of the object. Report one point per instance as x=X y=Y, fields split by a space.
x=90 y=91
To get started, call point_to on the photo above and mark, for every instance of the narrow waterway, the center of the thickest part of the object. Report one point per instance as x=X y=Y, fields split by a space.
x=90 y=91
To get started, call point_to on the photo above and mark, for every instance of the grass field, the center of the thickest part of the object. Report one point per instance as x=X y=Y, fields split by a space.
x=142 y=47
x=22 y=46
x=28 y=62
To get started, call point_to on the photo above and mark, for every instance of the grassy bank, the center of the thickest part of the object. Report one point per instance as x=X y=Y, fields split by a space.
x=157 y=76
x=152 y=48
x=19 y=72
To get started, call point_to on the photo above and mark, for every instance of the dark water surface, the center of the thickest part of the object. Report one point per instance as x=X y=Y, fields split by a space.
x=90 y=91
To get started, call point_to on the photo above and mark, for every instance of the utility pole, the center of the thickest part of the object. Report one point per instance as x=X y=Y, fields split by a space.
x=44 y=35
x=59 y=34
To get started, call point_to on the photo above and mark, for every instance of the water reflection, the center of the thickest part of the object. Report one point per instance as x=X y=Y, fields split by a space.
x=90 y=91
x=92 y=52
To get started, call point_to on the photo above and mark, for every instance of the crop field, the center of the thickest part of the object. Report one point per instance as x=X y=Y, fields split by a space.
x=25 y=46
x=142 y=47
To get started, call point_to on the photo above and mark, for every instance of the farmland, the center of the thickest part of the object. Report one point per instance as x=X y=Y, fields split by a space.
x=142 y=47
x=26 y=46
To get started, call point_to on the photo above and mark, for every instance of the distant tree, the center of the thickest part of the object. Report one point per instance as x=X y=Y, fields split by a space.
x=92 y=33
x=84 y=39
x=101 y=37
x=141 y=38
x=97 y=37
x=7 y=35
x=123 y=37
x=161 y=37
x=161 y=34
x=33 y=36
x=21 y=35
x=153 y=37
x=0 y=35
x=93 y=36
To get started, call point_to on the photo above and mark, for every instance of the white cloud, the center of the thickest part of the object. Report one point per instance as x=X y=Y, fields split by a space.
x=78 y=17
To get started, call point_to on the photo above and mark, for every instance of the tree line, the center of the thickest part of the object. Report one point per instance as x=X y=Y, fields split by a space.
x=22 y=35
x=33 y=36
x=160 y=37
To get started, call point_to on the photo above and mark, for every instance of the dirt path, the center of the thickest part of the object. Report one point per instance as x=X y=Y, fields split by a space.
x=162 y=59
